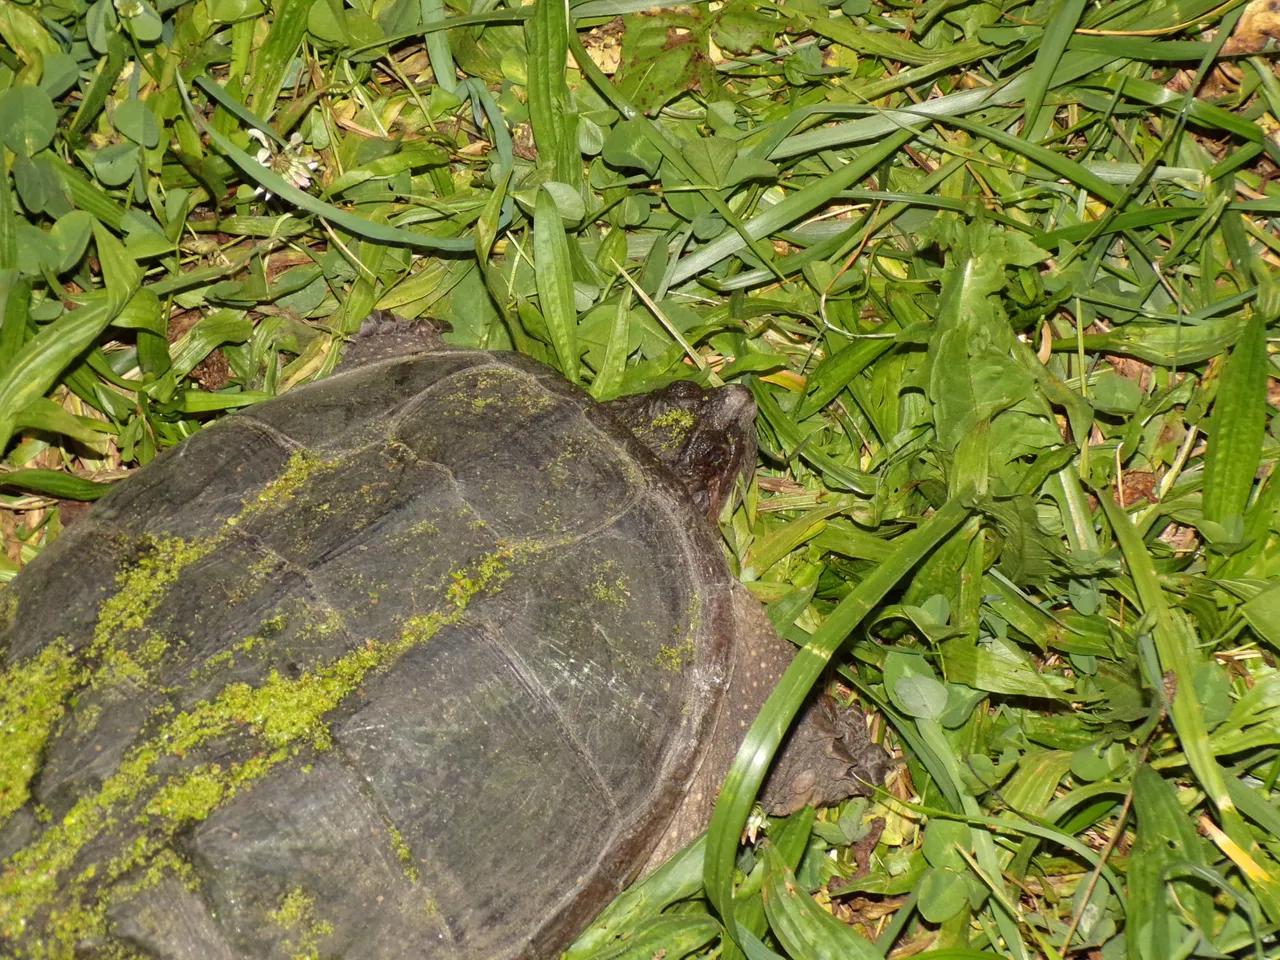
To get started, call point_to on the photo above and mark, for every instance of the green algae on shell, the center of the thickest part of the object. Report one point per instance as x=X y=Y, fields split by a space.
x=33 y=697
x=282 y=713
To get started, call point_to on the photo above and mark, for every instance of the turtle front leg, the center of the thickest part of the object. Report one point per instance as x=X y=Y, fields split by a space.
x=828 y=755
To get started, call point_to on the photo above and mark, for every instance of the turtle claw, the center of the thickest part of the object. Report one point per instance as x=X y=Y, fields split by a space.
x=827 y=757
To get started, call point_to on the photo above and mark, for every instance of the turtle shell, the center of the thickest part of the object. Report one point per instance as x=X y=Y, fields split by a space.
x=414 y=661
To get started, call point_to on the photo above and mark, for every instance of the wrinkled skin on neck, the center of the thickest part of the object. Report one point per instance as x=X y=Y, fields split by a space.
x=707 y=438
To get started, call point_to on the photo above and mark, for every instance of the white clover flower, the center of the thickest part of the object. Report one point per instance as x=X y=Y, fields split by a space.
x=264 y=155
x=756 y=823
x=295 y=162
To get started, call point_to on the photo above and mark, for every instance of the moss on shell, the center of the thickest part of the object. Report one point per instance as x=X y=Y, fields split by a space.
x=607 y=585
x=32 y=700
x=8 y=607
x=674 y=658
x=283 y=714
x=403 y=853
x=192 y=796
x=500 y=387
x=303 y=465
x=140 y=589
x=296 y=915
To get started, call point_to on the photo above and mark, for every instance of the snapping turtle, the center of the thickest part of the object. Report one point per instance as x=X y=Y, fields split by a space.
x=421 y=660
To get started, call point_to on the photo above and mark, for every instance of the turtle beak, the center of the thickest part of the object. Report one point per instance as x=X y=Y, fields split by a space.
x=735 y=407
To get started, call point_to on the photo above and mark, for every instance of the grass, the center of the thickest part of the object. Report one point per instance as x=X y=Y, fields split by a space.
x=1002 y=278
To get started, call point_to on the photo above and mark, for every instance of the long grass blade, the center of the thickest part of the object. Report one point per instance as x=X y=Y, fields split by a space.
x=1238 y=426
x=555 y=283
x=762 y=740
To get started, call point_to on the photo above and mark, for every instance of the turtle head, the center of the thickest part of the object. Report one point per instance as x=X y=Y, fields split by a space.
x=707 y=438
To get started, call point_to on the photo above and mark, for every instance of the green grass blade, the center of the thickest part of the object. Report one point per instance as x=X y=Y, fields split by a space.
x=1165 y=344
x=876 y=43
x=1075 y=172
x=1178 y=648
x=803 y=927
x=1060 y=22
x=1238 y=425
x=671 y=935
x=497 y=123
x=771 y=548
x=197 y=401
x=284 y=39
x=277 y=185
x=43 y=414
x=15 y=301
x=1155 y=95
x=766 y=733
x=608 y=381
x=836 y=372
x=555 y=283
x=104 y=78
x=42 y=360
x=795 y=445
x=795 y=206
x=54 y=483
x=437 y=43
x=489 y=223
x=8 y=225
x=1165 y=836
x=875 y=124
x=237 y=109
x=555 y=125
x=88 y=196
x=677 y=879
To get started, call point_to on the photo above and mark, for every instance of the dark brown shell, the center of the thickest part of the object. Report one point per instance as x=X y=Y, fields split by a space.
x=414 y=661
